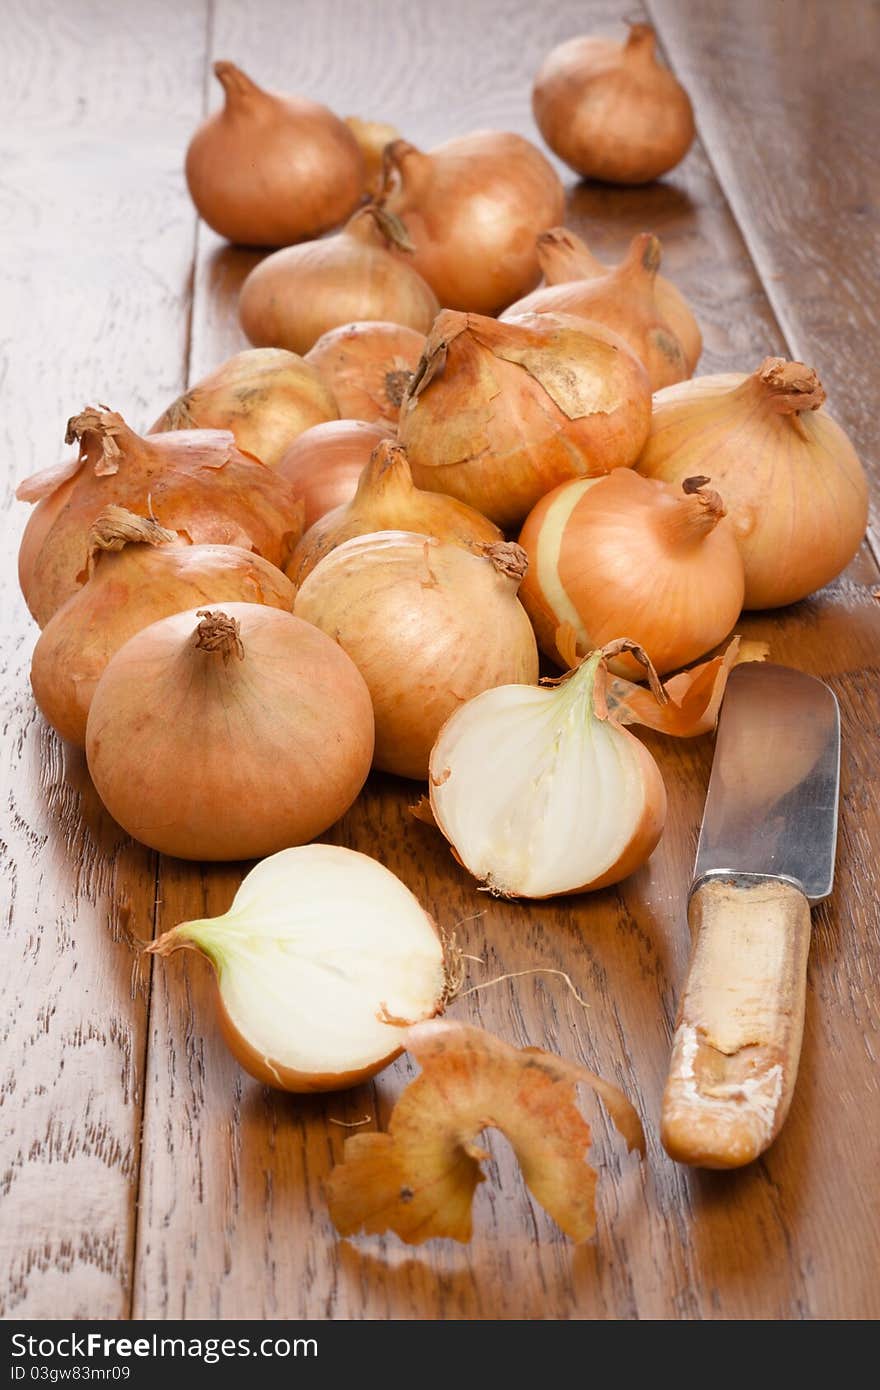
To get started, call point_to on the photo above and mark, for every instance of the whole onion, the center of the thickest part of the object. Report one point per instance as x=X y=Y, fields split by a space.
x=368 y=367
x=268 y=169
x=472 y=208
x=265 y=396
x=229 y=734
x=323 y=464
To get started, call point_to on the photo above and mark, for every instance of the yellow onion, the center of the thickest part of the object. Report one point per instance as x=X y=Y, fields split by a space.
x=368 y=367
x=386 y=500
x=195 y=482
x=473 y=208
x=372 y=137
x=138 y=572
x=623 y=300
x=501 y=412
x=428 y=624
x=265 y=396
x=229 y=734
x=268 y=169
x=542 y=791
x=611 y=111
x=324 y=465
x=791 y=480
x=624 y=554
x=294 y=296
x=565 y=257
x=322 y=961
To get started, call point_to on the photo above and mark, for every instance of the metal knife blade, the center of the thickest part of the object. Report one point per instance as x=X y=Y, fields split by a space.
x=771 y=808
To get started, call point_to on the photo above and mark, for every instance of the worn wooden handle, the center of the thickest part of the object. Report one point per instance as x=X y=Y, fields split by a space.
x=738 y=1036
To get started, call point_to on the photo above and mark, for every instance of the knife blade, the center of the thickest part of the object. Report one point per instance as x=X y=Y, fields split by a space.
x=765 y=855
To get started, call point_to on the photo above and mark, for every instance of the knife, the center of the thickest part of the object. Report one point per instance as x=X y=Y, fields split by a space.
x=765 y=855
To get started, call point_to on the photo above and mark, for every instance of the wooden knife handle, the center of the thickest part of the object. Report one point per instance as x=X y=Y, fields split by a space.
x=740 y=1023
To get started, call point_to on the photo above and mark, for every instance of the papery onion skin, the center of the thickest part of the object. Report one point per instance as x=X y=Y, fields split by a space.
x=324 y=464
x=422 y=963
x=482 y=427
x=368 y=367
x=195 y=482
x=386 y=500
x=295 y=296
x=610 y=555
x=565 y=257
x=218 y=752
x=428 y=624
x=792 y=483
x=129 y=588
x=265 y=396
x=473 y=207
x=611 y=111
x=624 y=300
x=268 y=170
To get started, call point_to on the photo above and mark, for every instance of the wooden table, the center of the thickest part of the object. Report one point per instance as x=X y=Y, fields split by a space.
x=142 y=1174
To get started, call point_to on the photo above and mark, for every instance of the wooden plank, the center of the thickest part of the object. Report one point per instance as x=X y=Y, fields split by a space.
x=98 y=246
x=233 y=1219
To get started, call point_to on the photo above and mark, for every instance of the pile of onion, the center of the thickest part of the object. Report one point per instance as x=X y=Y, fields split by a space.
x=564 y=257
x=611 y=111
x=473 y=207
x=500 y=413
x=321 y=962
x=625 y=301
x=294 y=296
x=368 y=367
x=324 y=464
x=138 y=572
x=791 y=480
x=268 y=169
x=265 y=396
x=229 y=734
x=541 y=791
x=428 y=624
x=624 y=554
x=195 y=482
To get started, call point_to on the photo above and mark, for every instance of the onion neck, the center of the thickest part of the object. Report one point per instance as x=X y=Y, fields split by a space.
x=563 y=257
x=374 y=225
x=116 y=528
x=509 y=559
x=688 y=519
x=787 y=387
x=640 y=46
x=237 y=86
x=386 y=475
x=641 y=263
x=217 y=633
x=404 y=168
x=104 y=439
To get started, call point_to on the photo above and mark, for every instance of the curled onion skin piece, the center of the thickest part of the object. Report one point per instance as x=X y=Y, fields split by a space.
x=138 y=573
x=195 y=482
x=428 y=624
x=265 y=397
x=611 y=111
x=323 y=465
x=229 y=733
x=368 y=367
x=792 y=483
x=501 y=412
x=473 y=207
x=268 y=170
x=320 y=963
x=295 y=296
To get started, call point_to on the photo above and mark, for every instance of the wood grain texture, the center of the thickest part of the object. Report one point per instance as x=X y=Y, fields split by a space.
x=232 y=1218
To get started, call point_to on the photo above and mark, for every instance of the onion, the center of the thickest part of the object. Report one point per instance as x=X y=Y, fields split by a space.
x=611 y=111
x=323 y=465
x=294 y=296
x=623 y=554
x=368 y=367
x=270 y=169
x=565 y=257
x=540 y=791
x=499 y=413
x=624 y=301
x=195 y=482
x=428 y=625
x=229 y=734
x=138 y=572
x=265 y=396
x=322 y=960
x=372 y=137
x=473 y=208
x=386 y=500
x=790 y=478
